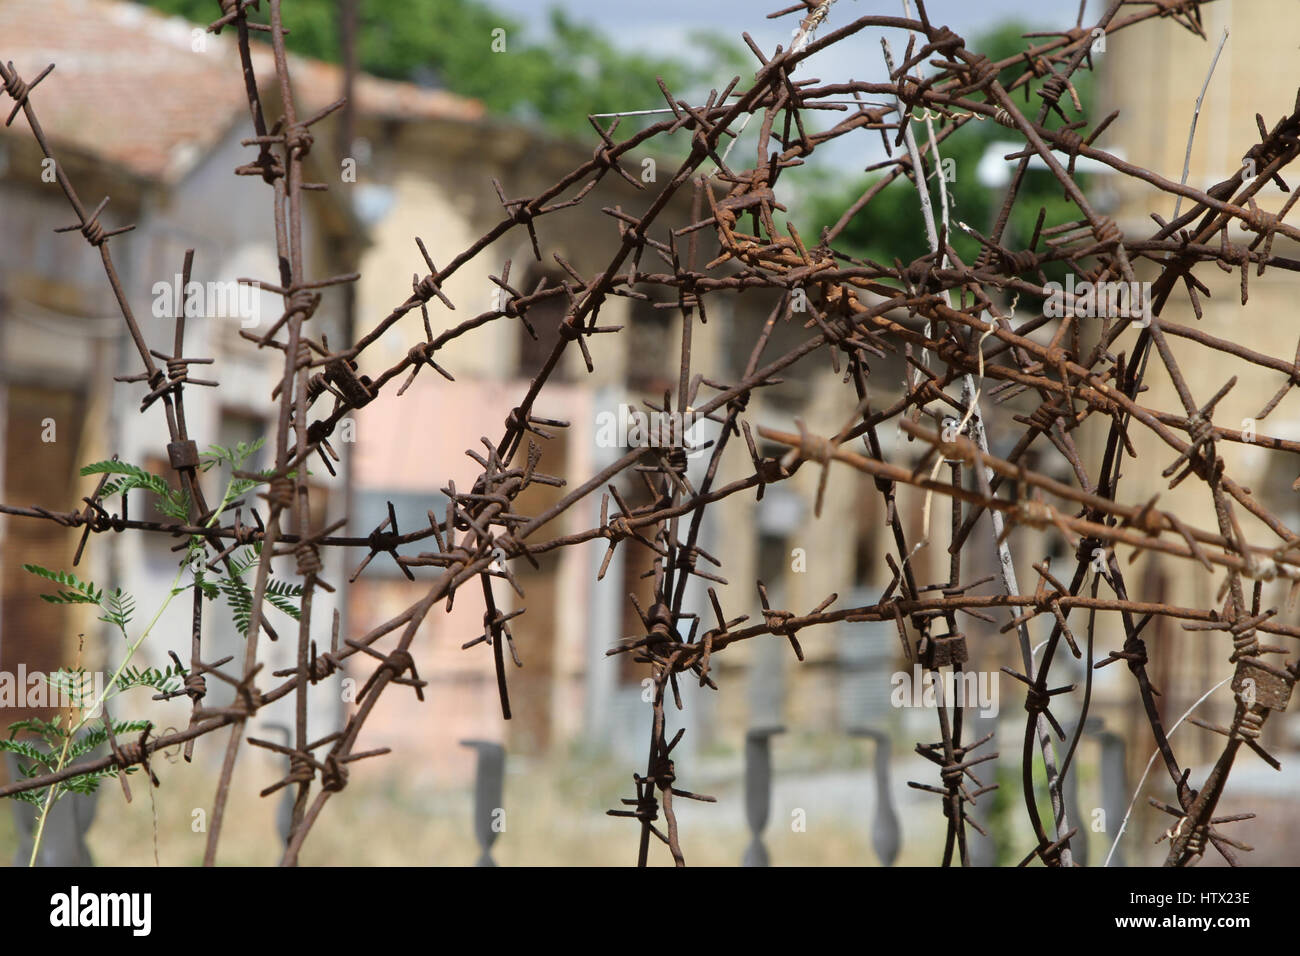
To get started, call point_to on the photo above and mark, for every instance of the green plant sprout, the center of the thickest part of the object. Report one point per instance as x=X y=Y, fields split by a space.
x=75 y=734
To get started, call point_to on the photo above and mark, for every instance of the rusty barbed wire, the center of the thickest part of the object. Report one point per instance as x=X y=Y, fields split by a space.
x=936 y=313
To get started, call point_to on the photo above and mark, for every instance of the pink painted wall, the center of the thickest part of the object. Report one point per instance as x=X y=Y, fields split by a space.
x=461 y=701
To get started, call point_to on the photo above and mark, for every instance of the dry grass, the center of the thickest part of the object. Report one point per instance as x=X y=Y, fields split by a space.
x=554 y=815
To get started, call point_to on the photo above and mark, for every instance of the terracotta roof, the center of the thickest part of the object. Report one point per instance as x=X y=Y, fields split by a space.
x=317 y=84
x=128 y=86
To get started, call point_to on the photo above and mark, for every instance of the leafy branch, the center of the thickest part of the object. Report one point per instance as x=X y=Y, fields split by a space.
x=62 y=745
x=169 y=501
x=82 y=592
x=69 y=737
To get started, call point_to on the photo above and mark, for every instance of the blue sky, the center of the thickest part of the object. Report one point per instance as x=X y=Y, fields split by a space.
x=636 y=15
x=663 y=26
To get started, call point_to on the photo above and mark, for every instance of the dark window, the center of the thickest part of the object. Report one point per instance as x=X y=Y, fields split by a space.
x=648 y=347
x=545 y=317
x=36 y=634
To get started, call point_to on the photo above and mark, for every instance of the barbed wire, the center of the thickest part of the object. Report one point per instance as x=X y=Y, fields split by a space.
x=858 y=312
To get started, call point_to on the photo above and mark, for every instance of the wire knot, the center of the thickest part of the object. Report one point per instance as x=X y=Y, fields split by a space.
x=195 y=686
x=93 y=232
x=664 y=773
x=1070 y=140
x=1250 y=726
x=1199 y=429
x=303 y=302
x=177 y=368
x=1053 y=89
x=335 y=775
x=298 y=140
x=981 y=72
x=16 y=87
x=1245 y=644
x=427 y=288
x=301 y=768
x=778 y=621
x=158 y=383
x=1106 y=231
x=1259 y=220
x=618 y=528
x=321 y=667
x=1022 y=261
x=308 y=556
x=419 y=353
x=1035 y=513
x=280 y=492
x=944 y=40
x=816 y=448
x=19 y=89
x=1037 y=701
x=400 y=661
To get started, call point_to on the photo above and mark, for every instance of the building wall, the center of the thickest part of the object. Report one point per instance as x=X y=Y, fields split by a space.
x=1155 y=72
x=62 y=330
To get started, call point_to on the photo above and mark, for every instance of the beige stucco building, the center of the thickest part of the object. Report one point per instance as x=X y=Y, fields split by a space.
x=1155 y=72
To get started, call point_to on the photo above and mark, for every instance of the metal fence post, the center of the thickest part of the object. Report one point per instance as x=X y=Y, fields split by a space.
x=489 y=786
x=886 y=831
x=1114 y=785
x=758 y=791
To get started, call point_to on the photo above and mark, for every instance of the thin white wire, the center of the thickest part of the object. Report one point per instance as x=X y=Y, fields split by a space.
x=736 y=139
x=1151 y=762
x=916 y=117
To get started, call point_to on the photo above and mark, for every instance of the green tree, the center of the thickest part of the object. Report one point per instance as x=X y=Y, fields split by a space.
x=891 y=226
x=556 y=81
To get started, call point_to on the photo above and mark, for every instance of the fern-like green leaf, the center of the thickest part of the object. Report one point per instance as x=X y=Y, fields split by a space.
x=72 y=684
x=133 y=476
x=96 y=736
x=24 y=749
x=119 y=609
x=283 y=588
x=174 y=504
x=48 y=730
x=163 y=681
x=284 y=604
x=235 y=457
x=82 y=592
x=88 y=783
x=240 y=599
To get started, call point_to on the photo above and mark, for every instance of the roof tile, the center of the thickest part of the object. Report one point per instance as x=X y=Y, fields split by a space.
x=129 y=87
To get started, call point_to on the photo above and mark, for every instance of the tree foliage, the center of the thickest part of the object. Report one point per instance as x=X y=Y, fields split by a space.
x=892 y=227
x=555 y=81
